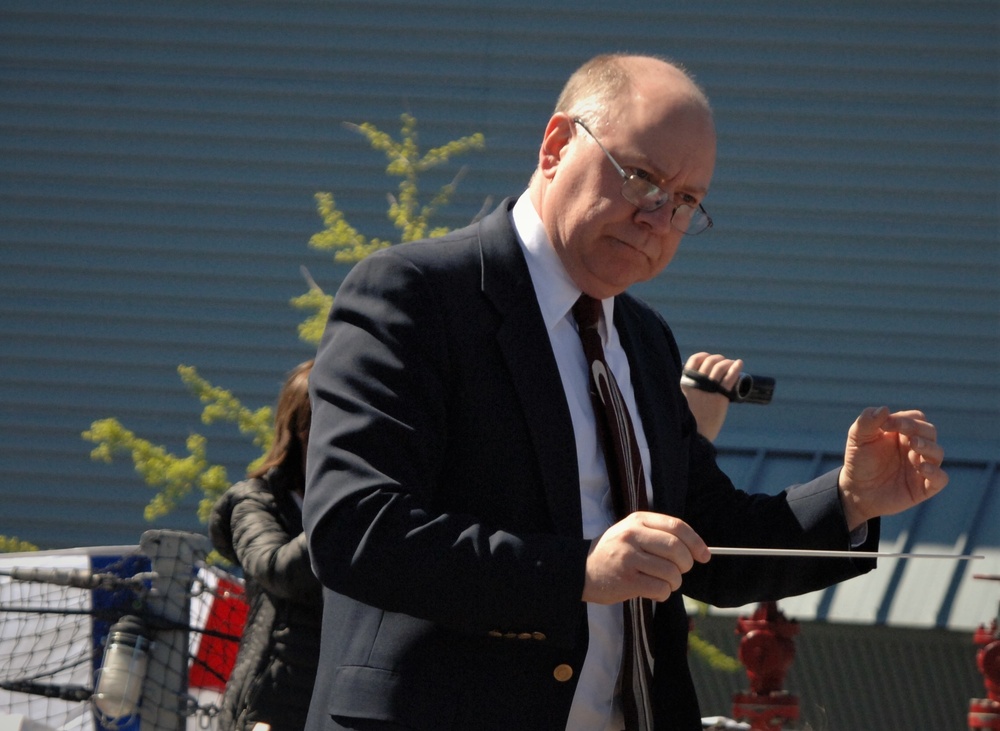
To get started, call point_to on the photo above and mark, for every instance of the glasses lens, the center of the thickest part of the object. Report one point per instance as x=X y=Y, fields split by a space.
x=649 y=197
x=643 y=194
x=690 y=220
x=685 y=218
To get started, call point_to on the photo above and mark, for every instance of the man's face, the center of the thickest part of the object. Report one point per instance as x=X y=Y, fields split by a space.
x=606 y=243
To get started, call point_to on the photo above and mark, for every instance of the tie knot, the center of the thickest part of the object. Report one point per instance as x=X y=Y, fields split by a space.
x=587 y=312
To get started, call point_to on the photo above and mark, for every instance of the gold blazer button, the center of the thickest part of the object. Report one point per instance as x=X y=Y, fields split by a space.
x=562 y=673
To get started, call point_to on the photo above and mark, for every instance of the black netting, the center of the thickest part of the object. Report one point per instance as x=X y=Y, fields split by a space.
x=58 y=609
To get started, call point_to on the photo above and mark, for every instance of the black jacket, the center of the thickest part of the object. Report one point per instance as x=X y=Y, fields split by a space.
x=258 y=525
x=443 y=500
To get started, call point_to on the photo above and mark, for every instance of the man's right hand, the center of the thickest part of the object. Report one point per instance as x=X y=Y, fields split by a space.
x=645 y=555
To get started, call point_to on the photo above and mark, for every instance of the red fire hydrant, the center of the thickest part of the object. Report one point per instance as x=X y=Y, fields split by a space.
x=767 y=650
x=984 y=713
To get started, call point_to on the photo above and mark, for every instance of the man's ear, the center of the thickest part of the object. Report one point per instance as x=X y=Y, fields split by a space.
x=558 y=133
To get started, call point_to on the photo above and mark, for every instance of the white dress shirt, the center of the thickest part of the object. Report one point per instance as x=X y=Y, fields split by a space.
x=595 y=707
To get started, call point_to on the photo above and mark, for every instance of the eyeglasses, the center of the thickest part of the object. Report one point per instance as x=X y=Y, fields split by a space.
x=647 y=196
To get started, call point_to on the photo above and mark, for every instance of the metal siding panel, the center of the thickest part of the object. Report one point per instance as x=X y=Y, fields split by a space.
x=859 y=600
x=922 y=588
x=159 y=161
x=925 y=590
x=972 y=594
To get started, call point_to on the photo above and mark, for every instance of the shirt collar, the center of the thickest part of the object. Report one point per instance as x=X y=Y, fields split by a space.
x=555 y=290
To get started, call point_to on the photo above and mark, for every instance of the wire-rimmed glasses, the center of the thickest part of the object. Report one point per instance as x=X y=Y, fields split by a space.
x=648 y=196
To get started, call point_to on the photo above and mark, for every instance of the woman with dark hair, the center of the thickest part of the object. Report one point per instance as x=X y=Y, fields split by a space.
x=257 y=523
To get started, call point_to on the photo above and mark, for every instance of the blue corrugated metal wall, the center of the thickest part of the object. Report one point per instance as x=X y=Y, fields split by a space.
x=159 y=160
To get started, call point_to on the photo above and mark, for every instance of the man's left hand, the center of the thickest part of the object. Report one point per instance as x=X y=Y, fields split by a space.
x=892 y=462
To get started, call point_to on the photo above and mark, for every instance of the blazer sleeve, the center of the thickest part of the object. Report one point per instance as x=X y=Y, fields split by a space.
x=378 y=527
x=806 y=516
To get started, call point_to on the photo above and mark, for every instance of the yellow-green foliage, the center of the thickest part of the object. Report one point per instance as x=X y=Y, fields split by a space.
x=15 y=545
x=318 y=303
x=176 y=476
x=405 y=211
x=221 y=405
x=340 y=236
x=712 y=655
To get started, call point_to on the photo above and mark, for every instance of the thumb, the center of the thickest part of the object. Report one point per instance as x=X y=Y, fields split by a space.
x=869 y=424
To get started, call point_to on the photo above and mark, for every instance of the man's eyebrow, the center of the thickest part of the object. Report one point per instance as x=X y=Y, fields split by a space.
x=700 y=190
x=658 y=178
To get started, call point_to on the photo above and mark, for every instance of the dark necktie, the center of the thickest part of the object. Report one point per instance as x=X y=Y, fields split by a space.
x=628 y=492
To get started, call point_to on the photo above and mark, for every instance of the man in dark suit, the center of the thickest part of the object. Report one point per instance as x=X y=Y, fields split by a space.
x=457 y=504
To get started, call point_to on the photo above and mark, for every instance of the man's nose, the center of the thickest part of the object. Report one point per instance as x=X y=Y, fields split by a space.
x=660 y=219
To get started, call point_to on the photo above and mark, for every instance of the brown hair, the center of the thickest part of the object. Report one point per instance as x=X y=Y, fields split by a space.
x=291 y=427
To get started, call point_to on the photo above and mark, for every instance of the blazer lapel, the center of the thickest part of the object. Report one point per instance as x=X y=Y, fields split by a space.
x=527 y=350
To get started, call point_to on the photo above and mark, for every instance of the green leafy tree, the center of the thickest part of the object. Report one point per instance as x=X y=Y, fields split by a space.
x=176 y=476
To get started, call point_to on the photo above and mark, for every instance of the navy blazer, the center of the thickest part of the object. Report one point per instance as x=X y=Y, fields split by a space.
x=443 y=504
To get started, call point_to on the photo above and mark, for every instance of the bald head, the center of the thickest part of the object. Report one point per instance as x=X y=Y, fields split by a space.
x=600 y=87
